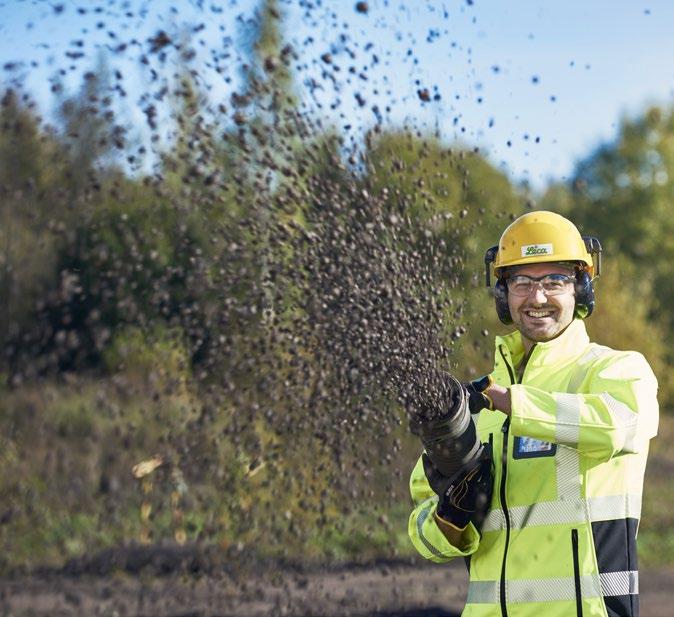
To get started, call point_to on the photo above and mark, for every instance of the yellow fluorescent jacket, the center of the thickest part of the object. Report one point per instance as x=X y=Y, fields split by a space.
x=560 y=536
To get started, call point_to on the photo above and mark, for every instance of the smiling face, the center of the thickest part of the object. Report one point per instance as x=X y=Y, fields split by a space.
x=539 y=317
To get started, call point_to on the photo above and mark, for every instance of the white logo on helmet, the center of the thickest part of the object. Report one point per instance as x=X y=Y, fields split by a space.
x=532 y=250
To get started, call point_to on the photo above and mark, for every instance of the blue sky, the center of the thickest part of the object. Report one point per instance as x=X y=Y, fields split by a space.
x=535 y=85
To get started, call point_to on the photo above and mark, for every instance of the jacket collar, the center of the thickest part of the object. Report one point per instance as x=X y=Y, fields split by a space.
x=569 y=344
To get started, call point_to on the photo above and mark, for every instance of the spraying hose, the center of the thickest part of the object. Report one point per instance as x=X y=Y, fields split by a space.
x=449 y=434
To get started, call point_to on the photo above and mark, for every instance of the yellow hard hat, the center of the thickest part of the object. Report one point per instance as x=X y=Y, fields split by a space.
x=539 y=237
x=543 y=237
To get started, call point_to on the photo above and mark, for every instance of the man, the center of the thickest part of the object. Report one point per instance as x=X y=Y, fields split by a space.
x=569 y=423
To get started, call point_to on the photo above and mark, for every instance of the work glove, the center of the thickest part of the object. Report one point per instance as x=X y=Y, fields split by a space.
x=465 y=497
x=477 y=399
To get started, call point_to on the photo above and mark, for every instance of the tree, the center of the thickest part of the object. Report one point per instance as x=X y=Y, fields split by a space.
x=29 y=212
x=623 y=193
x=268 y=80
x=456 y=198
x=90 y=135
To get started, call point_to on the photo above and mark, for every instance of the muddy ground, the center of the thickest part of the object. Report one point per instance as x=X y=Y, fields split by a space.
x=164 y=583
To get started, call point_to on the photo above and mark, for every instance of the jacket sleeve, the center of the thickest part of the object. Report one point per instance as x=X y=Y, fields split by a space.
x=424 y=532
x=614 y=410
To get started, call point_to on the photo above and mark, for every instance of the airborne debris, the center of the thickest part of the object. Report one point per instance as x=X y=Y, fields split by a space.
x=424 y=95
x=159 y=41
x=218 y=266
x=271 y=64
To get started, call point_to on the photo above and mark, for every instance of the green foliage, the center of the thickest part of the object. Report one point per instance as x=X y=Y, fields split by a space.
x=165 y=287
x=90 y=138
x=623 y=193
x=623 y=318
x=455 y=195
x=366 y=535
x=67 y=457
x=22 y=149
x=134 y=351
x=268 y=78
x=68 y=451
x=31 y=212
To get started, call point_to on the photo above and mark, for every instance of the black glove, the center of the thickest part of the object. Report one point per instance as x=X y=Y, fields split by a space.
x=466 y=496
x=477 y=399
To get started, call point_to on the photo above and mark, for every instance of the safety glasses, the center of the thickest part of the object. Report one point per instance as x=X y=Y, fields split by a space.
x=552 y=284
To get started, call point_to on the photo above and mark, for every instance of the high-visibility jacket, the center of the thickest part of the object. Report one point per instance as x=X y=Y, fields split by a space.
x=559 y=539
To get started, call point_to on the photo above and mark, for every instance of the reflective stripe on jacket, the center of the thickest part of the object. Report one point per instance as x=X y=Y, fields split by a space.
x=560 y=537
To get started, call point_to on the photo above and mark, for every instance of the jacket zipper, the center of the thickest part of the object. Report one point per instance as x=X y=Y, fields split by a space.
x=524 y=364
x=491 y=449
x=504 y=469
x=502 y=495
x=504 y=507
x=510 y=370
x=576 y=572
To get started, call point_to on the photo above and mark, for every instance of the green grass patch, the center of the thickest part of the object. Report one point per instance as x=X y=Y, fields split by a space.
x=67 y=451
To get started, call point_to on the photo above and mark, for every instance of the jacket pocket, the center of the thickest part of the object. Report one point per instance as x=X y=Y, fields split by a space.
x=576 y=572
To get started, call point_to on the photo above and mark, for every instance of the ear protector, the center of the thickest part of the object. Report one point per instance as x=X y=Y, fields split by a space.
x=584 y=289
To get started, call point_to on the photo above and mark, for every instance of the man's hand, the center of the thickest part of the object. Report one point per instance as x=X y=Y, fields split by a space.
x=484 y=393
x=500 y=396
x=478 y=399
x=466 y=496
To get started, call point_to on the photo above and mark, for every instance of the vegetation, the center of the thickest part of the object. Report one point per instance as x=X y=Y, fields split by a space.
x=154 y=316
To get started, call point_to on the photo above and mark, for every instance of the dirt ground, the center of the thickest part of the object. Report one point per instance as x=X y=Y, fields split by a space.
x=400 y=588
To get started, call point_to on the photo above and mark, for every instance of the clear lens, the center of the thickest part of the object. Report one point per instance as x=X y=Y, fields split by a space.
x=552 y=284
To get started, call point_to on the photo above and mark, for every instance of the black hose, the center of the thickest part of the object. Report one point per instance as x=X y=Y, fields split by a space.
x=449 y=434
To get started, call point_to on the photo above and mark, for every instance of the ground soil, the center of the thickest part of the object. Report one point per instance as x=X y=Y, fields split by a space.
x=164 y=584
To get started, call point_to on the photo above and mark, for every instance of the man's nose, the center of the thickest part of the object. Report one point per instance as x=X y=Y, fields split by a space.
x=539 y=294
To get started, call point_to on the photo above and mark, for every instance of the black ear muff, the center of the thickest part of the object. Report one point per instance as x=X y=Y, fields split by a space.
x=584 y=295
x=501 y=297
x=584 y=298
x=500 y=289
